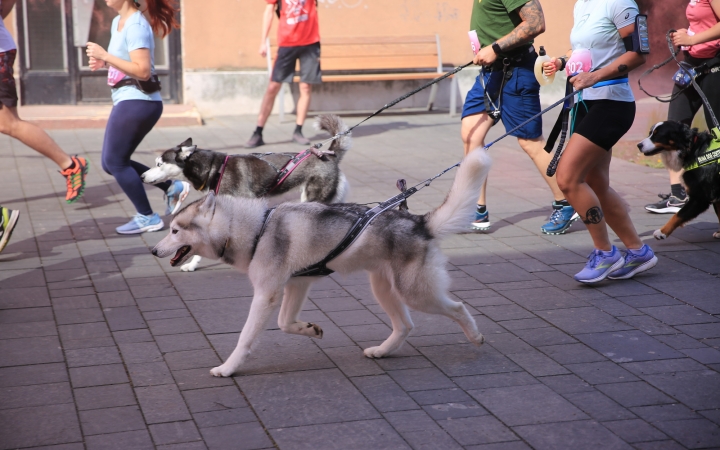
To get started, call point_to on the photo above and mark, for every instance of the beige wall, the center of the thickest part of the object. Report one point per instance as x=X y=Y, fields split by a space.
x=225 y=34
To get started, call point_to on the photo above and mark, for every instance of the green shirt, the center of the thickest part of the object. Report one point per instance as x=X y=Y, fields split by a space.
x=493 y=19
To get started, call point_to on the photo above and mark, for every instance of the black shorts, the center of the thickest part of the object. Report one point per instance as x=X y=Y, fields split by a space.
x=684 y=107
x=604 y=122
x=8 y=90
x=309 y=56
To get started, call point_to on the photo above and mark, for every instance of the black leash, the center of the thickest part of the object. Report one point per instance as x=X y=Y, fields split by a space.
x=660 y=98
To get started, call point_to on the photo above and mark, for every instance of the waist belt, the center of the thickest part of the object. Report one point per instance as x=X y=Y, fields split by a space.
x=514 y=58
x=148 y=87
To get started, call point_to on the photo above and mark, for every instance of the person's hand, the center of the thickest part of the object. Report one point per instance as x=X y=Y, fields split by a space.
x=550 y=67
x=263 y=49
x=95 y=64
x=96 y=51
x=485 y=56
x=682 y=38
x=584 y=80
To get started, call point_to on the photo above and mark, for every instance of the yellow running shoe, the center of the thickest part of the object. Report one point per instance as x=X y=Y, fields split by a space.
x=8 y=220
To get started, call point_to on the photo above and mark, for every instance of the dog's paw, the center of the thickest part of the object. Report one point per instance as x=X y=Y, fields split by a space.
x=716 y=235
x=479 y=340
x=221 y=371
x=191 y=265
x=659 y=235
x=374 y=352
x=317 y=330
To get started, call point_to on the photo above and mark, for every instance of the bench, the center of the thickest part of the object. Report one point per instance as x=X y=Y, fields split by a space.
x=374 y=59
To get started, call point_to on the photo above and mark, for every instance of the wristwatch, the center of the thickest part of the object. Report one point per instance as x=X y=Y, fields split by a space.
x=496 y=48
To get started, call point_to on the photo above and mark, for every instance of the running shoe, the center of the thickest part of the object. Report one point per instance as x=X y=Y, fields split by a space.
x=298 y=138
x=636 y=261
x=175 y=195
x=140 y=224
x=560 y=220
x=75 y=178
x=600 y=264
x=8 y=220
x=255 y=140
x=668 y=205
x=481 y=222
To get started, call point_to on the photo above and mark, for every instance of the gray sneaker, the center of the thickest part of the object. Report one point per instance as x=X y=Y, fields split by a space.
x=300 y=139
x=668 y=205
x=255 y=140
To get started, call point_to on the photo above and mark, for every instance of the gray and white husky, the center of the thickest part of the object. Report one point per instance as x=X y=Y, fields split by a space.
x=253 y=175
x=399 y=250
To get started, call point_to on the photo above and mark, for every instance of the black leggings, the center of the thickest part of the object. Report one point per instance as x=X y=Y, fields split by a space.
x=129 y=122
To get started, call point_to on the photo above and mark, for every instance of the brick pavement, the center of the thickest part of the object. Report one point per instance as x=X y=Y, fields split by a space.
x=102 y=346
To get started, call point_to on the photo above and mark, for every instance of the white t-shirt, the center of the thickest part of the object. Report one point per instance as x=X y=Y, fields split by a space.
x=596 y=28
x=6 y=40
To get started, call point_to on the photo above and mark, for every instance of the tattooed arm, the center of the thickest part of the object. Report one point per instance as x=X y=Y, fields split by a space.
x=532 y=25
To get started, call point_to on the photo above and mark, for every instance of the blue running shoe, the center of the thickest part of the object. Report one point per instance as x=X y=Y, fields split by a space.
x=141 y=224
x=600 y=264
x=636 y=261
x=175 y=195
x=561 y=219
x=481 y=222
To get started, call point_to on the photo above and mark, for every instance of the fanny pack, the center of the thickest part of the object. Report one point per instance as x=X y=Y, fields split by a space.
x=687 y=72
x=148 y=87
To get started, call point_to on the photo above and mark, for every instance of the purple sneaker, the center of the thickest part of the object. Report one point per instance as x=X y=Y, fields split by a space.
x=636 y=261
x=600 y=264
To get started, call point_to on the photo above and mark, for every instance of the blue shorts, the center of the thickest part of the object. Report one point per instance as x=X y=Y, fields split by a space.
x=520 y=100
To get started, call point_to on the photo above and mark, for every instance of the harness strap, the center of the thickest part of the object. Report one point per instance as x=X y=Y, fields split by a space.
x=711 y=155
x=222 y=171
x=288 y=168
x=266 y=219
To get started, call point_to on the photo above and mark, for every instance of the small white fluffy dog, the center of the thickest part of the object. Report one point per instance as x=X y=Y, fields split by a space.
x=398 y=249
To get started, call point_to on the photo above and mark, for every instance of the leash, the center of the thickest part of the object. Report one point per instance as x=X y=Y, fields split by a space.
x=660 y=98
x=222 y=172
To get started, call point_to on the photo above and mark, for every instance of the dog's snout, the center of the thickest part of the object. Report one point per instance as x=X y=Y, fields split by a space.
x=640 y=146
x=154 y=251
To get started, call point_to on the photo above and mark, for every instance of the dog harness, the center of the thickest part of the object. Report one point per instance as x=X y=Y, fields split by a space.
x=266 y=219
x=710 y=155
x=222 y=172
x=288 y=168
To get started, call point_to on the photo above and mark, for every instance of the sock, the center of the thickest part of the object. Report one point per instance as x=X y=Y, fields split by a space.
x=298 y=129
x=71 y=166
x=560 y=204
x=676 y=190
x=258 y=130
x=482 y=209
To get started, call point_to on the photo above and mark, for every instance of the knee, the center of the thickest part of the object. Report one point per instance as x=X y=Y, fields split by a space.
x=305 y=88
x=565 y=181
x=274 y=87
x=8 y=126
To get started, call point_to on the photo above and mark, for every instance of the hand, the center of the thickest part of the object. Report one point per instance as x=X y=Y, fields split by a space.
x=263 y=49
x=96 y=64
x=550 y=67
x=96 y=51
x=485 y=56
x=682 y=38
x=584 y=80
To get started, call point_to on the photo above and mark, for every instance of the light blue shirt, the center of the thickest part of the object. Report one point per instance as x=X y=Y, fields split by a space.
x=136 y=33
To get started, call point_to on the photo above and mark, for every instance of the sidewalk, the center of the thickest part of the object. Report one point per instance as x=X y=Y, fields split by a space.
x=103 y=346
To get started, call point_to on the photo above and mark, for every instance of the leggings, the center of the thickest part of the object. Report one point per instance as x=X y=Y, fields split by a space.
x=129 y=122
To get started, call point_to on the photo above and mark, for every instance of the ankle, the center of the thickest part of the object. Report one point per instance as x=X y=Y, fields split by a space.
x=258 y=130
x=298 y=129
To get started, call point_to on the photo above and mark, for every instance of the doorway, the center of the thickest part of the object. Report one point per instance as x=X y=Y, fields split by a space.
x=51 y=53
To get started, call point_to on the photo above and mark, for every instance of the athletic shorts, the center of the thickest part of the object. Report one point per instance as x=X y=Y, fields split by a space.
x=604 y=122
x=684 y=107
x=309 y=56
x=8 y=90
x=520 y=98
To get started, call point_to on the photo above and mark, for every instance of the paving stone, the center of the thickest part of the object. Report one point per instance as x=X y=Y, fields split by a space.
x=133 y=336
x=140 y=352
x=101 y=397
x=224 y=417
x=693 y=433
x=214 y=399
x=384 y=394
x=130 y=440
x=537 y=364
x=704 y=355
x=514 y=445
x=524 y=324
x=25 y=297
x=659 y=445
x=35 y=395
x=166 y=314
x=614 y=307
x=495 y=380
x=634 y=394
x=160 y=303
x=33 y=374
x=540 y=299
x=438 y=396
x=27 y=330
x=39 y=425
x=507 y=343
x=648 y=325
x=647 y=301
x=571 y=353
x=116 y=299
x=174 y=432
x=407 y=362
x=149 y=373
x=635 y=430
x=698 y=390
x=124 y=318
x=321 y=396
x=544 y=336
x=192 y=359
x=198 y=379
x=628 y=346
x=111 y=420
x=98 y=375
x=599 y=406
x=478 y=430
x=601 y=372
x=181 y=342
x=83 y=331
x=663 y=366
x=26 y=315
x=454 y=410
x=565 y=384
x=162 y=404
x=79 y=302
x=583 y=320
x=420 y=431
x=83 y=315
x=577 y=435
x=92 y=356
x=663 y=413
x=701 y=331
x=680 y=341
x=376 y=434
x=466 y=359
x=679 y=315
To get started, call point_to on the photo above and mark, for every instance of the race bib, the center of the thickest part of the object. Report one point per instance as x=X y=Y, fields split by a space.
x=114 y=76
x=579 y=62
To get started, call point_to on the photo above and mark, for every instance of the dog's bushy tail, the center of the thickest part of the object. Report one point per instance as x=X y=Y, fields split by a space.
x=457 y=211
x=333 y=124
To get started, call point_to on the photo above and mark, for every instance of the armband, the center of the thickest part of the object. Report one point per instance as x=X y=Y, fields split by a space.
x=639 y=40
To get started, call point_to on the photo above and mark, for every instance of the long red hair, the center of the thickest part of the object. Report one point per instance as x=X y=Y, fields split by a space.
x=162 y=16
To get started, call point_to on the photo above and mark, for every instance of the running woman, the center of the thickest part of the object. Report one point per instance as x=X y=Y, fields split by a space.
x=602 y=118
x=137 y=104
x=73 y=168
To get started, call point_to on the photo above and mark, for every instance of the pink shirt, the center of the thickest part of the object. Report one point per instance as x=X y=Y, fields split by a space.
x=702 y=17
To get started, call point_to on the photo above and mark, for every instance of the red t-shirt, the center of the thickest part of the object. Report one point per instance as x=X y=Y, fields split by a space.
x=702 y=17
x=298 y=23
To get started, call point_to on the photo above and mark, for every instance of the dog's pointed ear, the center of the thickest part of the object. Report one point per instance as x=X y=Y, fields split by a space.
x=187 y=143
x=208 y=205
x=186 y=149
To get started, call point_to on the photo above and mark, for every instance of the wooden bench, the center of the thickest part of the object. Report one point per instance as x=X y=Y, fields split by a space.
x=374 y=59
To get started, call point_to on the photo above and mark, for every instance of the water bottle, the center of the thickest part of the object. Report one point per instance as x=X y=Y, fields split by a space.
x=539 y=75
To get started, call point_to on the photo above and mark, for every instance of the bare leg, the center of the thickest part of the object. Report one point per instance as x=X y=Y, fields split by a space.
x=397 y=311
x=541 y=158
x=32 y=135
x=267 y=102
x=473 y=130
x=303 y=104
x=675 y=176
x=295 y=294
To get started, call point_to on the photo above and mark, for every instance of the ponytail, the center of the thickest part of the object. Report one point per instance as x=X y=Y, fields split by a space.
x=162 y=16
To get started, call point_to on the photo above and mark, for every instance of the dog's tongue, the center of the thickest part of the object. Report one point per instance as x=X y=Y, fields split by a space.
x=177 y=256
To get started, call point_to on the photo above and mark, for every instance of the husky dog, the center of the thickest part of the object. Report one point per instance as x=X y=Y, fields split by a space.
x=679 y=146
x=399 y=250
x=254 y=175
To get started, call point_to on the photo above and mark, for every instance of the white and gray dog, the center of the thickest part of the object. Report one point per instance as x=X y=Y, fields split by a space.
x=399 y=250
